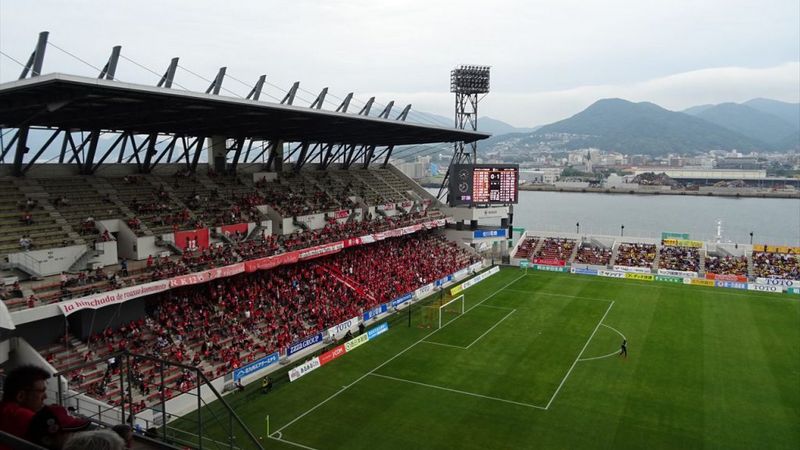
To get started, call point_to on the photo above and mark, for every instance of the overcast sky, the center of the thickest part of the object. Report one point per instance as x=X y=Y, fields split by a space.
x=550 y=59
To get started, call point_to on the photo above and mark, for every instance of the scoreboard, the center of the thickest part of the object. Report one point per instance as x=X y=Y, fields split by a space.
x=484 y=184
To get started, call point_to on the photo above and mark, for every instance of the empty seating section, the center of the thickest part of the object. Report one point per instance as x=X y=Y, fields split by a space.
x=26 y=219
x=79 y=203
x=726 y=265
x=776 y=265
x=152 y=204
x=592 y=254
x=525 y=249
x=227 y=323
x=685 y=259
x=556 y=248
x=636 y=255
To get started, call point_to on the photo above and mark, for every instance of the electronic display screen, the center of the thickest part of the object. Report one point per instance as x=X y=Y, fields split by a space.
x=484 y=184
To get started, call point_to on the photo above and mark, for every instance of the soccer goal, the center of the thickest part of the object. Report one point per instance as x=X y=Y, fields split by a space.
x=449 y=311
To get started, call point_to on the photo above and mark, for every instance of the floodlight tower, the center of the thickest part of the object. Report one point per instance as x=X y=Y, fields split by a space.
x=467 y=82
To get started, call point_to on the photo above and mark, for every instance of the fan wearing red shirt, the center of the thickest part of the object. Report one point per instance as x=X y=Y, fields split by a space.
x=24 y=394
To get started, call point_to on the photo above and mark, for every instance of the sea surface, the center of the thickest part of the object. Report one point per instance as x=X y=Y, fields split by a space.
x=772 y=221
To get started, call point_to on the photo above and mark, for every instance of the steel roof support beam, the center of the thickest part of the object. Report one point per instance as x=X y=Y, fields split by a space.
x=41 y=150
x=108 y=152
x=255 y=93
x=9 y=145
x=289 y=97
x=151 y=151
x=238 y=146
x=197 y=152
x=22 y=148
x=110 y=69
x=167 y=150
x=34 y=65
x=169 y=75
x=86 y=167
x=345 y=103
x=367 y=106
x=216 y=85
x=385 y=113
x=317 y=104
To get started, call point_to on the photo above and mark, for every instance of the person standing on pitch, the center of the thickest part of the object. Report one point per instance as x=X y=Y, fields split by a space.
x=623 y=349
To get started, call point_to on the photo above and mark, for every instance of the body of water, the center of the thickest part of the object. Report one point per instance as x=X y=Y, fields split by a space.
x=772 y=221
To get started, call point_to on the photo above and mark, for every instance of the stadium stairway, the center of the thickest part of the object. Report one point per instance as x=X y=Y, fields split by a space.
x=657 y=259
x=574 y=252
x=614 y=254
x=535 y=252
x=750 y=268
x=702 y=267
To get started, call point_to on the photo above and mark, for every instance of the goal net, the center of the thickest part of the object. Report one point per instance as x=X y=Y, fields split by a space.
x=442 y=312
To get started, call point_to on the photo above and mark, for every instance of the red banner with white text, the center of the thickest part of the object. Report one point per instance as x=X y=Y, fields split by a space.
x=192 y=239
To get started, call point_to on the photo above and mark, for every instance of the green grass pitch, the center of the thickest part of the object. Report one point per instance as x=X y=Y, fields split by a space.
x=533 y=364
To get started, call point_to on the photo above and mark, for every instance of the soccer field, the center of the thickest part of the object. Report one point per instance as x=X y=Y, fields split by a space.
x=532 y=363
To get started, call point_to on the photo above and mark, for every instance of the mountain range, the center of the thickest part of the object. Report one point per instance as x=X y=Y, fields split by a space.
x=646 y=128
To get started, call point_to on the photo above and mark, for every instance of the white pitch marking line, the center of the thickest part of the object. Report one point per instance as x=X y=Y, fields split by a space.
x=618 y=332
x=498 y=307
x=444 y=345
x=579 y=356
x=616 y=352
x=490 y=329
x=395 y=356
x=555 y=294
x=296 y=444
x=527 y=405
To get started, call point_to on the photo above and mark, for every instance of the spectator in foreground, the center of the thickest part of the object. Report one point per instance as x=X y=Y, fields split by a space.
x=23 y=396
x=96 y=440
x=125 y=432
x=53 y=426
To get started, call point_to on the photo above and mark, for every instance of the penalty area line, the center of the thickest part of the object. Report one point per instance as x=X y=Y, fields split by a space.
x=335 y=394
x=456 y=391
x=563 y=380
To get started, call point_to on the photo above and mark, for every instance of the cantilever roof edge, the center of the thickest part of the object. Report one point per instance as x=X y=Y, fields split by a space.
x=76 y=102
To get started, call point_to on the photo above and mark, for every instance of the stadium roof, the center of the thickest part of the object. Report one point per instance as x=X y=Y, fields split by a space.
x=82 y=103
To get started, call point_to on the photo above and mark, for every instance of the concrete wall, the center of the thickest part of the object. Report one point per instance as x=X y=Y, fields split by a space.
x=49 y=261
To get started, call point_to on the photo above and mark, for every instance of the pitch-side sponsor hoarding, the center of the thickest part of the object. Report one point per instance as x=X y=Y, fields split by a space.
x=778 y=282
x=632 y=269
x=610 y=273
x=374 y=332
x=304 y=369
x=256 y=366
x=305 y=343
x=698 y=281
x=342 y=327
x=765 y=287
x=356 y=342
x=400 y=300
x=726 y=277
x=330 y=355
x=376 y=311
x=640 y=276
x=583 y=271
x=730 y=284
x=547 y=268
x=677 y=273
x=669 y=279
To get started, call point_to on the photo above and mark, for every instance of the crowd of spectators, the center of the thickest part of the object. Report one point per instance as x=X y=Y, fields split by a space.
x=526 y=248
x=726 y=265
x=401 y=265
x=635 y=255
x=591 y=254
x=776 y=265
x=685 y=259
x=556 y=248
x=222 y=325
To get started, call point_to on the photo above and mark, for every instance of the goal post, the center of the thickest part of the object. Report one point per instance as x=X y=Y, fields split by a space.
x=450 y=311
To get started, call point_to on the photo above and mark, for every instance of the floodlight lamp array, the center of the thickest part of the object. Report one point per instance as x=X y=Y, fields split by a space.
x=470 y=79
